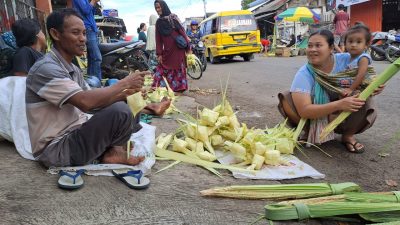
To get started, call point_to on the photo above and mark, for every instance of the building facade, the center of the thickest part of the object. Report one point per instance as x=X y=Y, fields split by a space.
x=378 y=15
x=11 y=10
x=266 y=10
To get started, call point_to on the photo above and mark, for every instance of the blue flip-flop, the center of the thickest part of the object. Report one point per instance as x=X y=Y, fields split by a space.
x=70 y=180
x=132 y=178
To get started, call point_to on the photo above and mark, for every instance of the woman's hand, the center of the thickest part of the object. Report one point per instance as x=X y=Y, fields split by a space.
x=346 y=92
x=379 y=90
x=350 y=104
x=159 y=58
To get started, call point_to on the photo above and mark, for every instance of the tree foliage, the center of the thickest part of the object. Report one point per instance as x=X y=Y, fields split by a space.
x=245 y=3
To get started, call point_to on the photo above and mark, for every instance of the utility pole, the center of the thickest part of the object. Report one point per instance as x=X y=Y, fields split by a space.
x=205 y=11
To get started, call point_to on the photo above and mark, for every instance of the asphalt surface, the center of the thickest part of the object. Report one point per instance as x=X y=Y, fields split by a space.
x=29 y=195
x=252 y=89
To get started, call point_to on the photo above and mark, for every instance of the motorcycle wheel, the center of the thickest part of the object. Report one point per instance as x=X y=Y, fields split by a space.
x=137 y=61
x=118 y=74
x=392 y=54
x=195 y=71
x=375 y=55
x=114 y=71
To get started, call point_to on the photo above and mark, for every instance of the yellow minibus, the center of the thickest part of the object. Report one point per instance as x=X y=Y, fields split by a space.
x=229 y=34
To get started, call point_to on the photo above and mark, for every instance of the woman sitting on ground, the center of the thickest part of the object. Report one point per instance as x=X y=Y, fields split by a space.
x=304 y=98
x=31 y=43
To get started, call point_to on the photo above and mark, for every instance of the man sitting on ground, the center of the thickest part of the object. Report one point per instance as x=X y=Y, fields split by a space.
x=57 y=97
x=32 y=42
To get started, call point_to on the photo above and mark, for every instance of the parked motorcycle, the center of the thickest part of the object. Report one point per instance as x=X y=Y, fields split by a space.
x=393 y=50
x=282 y=41
x=199 y=49
x=378 y=46
x=121 y=57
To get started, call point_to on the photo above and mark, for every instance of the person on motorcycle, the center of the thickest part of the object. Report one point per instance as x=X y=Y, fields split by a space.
x=194 y=33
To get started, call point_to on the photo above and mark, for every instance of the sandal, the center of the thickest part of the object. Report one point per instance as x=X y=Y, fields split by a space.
x=146 y=118
x=132 y=178
x=353 y=148
x=70 y=180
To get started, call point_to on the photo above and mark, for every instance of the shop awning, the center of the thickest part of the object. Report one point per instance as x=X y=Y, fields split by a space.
x=257 y=2
x=269 y=9
x=258 y=5
x=349 y=2
x=265 y=16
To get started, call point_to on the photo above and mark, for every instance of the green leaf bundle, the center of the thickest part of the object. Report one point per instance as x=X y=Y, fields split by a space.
x=390 y=71
x=281 y=191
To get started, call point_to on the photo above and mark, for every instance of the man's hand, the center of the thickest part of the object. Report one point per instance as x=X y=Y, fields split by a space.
x=135 y=80
x=132 y=84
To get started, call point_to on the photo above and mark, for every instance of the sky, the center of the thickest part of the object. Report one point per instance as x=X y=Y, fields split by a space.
x=134 y=12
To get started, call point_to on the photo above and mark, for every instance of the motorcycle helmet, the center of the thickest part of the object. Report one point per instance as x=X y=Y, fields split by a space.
x=194 y=22
x=93 y=82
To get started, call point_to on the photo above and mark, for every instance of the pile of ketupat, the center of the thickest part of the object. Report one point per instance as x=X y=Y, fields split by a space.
x=137 y=102
x=219 y=128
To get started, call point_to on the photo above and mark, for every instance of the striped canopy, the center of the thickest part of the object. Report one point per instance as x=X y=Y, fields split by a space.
x=300 y=14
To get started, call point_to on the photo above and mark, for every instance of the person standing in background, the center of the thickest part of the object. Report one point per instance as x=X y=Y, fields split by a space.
x=141 y=31
x=341 y=23
x=87 y=10
x=171 y=57
x=151 y=43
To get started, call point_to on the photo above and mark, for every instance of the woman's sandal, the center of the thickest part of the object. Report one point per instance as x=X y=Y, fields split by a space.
x=353 y=148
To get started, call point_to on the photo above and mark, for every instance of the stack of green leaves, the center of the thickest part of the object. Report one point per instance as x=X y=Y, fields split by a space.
x=389 y=223
x=374 y=207
x=389 y=72
x=281 y=191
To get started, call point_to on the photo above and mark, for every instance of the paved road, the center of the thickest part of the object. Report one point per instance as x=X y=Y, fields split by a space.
x=28 y=195
x=253 y=87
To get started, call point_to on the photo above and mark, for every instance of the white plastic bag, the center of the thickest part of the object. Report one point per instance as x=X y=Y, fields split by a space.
x=13 y=122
